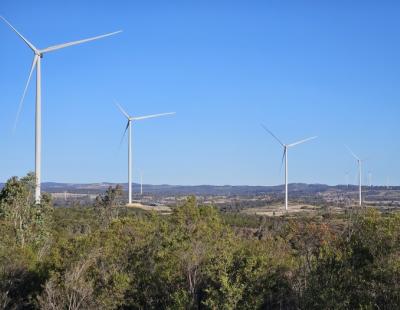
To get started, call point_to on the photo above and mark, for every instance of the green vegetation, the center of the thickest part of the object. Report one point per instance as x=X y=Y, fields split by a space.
x=108 y=257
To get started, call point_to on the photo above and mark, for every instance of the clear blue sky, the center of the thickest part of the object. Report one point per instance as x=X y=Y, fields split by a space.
x=326 y=68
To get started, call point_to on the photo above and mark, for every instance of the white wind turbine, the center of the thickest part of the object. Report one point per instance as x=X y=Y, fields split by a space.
x=370 y=178
x=38 y=55
x=285 y=158
x=141 y=184
x=129 y=126
x=347 y=179
x=359 y=164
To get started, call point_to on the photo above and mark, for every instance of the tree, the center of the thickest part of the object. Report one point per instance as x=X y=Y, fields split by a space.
x=361 y=270
x=17 y=206
x=108 y=204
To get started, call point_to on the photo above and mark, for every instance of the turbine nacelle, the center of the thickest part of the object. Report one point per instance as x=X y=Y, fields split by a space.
x=286 y=146
x=137 y=118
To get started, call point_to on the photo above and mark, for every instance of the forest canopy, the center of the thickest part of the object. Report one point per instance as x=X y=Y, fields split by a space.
x=107 y=256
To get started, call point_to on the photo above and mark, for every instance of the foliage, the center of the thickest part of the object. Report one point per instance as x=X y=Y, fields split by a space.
x=17 y=208
x=25 y=228
x=108 y=204
x=108 y=257
x=360 y=270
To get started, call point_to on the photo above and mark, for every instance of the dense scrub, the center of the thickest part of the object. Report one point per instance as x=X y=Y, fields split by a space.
x=108 y=257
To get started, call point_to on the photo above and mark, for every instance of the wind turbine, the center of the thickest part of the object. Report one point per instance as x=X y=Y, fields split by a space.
x=129 y=126
x=370 y=178
x=359 y=163
x=38 y=55
x=347 y=178
x=141 y=184
x=285 y=158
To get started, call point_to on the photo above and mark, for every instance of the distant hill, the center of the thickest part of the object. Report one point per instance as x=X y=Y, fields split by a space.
x=164 y=189
x=201 y=190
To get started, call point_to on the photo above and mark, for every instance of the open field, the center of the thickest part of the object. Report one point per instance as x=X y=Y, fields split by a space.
x=279 y=209
x=160 y=209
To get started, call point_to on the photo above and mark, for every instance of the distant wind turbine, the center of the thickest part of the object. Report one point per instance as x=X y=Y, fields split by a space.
x=141 y=184
x=285 y=158
x=38 y=55
x=370 y=178
x=347 y=178
x=359 y=164
x=129 y=126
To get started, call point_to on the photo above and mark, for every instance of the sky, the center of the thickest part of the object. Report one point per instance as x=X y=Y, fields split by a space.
x=302 y=68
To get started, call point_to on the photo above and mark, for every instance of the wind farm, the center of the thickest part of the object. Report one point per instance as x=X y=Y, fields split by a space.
x=123 y=206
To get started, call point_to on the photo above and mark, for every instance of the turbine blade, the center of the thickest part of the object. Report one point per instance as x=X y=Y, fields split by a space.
x=302 y=141
x=352 y=153
x=121 y=109
x=59 y=46
x=31 y=46
x=283 y=157
x=270 y=132
x=123 y=136
x=21 y=103
x=151 y=116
